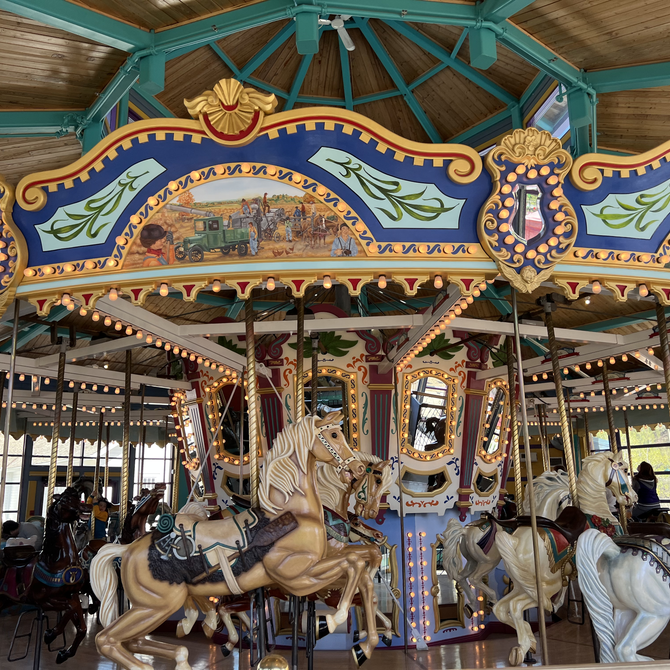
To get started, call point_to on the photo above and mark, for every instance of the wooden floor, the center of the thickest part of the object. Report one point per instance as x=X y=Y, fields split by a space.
x=568 y=643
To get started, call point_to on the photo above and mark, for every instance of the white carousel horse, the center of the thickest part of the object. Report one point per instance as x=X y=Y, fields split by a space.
x=288 y=547
x=335 y=489
x=599 y=472
x=474 y=542
x=625 y=586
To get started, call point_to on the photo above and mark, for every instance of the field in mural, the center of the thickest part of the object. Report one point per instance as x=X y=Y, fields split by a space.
x=241 y=218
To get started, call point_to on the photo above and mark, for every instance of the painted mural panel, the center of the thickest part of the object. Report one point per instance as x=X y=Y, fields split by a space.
x=241 y=218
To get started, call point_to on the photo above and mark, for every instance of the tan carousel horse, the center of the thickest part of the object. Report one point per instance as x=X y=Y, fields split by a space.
x=284 y=542
x=335 y=490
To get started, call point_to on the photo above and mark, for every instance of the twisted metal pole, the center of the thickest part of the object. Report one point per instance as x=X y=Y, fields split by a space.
x=314 y=384
x=70 y=455
x=175 y=468
x=55 y=435
x=252 y=402
x=143 y=435
x=300 y=359
x=106 y=482
x=662 y=324
x=125 y=447
x=544 y=442
x=531 y=489
x=96 y=478
x=516 y=457
x=630 y=453
x=10 y=399
x=560 y=397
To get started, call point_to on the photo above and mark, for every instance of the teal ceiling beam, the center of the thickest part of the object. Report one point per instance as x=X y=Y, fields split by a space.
x=630 y=78
x=444 y=56
x=497 y=300
x=475 y=130
x=428 y=75
x=316 y=100
x=28 y=123
x=122 y=118
x=81 y=21
x=258 y=59
x=517 y=120
x=459 y=43
x=580 y=115
x=621 y=321
x=373 y=97
x=500 y=10
x=31 y=332
x=297 y=81
x=159 y=107
x=268 y=87
x=346 y=76
x=226 y=59
x=399 y=81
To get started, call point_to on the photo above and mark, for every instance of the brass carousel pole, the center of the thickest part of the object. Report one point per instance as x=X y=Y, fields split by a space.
x=125 y=447
x=300 y=354
x=96 y=478
x=10 y=399
x=70 y=456
x=55 y=435
x=560 y=397
x=175 y=469
x=516 y=457
x=314 y=384
x=105 y=484
x=541 y=412
x=143 y=435
x=586 y=430
x=630 y=453
x=531 y=491
x=614 y=447
x=252 y=401
x=662 y=324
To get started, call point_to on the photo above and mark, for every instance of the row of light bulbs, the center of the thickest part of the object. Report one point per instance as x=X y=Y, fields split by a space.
x=441 y=324
x=93 y=423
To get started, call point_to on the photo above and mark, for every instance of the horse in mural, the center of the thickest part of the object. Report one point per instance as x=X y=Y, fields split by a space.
x=283 y=542
x=624 y=581
x=600 y=471
x=476 y=541
x=53 y=579
x=335 y=490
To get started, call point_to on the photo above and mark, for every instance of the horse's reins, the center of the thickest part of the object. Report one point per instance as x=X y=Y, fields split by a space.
x=342 y=463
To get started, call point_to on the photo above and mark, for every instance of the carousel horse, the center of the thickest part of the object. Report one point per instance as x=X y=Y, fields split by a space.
x=283 y=542
x=53 y=579
x=600 y=471
x=335 y=490
x=476 y=541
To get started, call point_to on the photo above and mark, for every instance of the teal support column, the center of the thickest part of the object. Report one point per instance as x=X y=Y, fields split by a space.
x=483 y=52
x=91 y=136
x=579 y=112
x=122 y=119
x=152 y=73
x=307 y=34
x=517 y=121
x=346 y=76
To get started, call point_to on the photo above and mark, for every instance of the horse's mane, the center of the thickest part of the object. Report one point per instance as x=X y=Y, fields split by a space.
x=550 y=489
x=591 y=491
x=279 y=471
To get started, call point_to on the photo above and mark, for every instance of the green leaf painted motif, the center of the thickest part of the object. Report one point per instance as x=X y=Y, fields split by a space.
x=329 y=343
x=230 y=345
x=66 y=230
x=646 y=205
x=433 y=349
x=389 y=190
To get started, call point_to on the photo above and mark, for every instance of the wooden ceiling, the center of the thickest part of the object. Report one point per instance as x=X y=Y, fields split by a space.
x=45 y=68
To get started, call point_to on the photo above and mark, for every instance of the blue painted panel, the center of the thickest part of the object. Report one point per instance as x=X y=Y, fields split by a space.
x=290 y=151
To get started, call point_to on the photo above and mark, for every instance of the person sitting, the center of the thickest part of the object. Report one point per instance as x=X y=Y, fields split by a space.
x=245 y=209
x=23 y=530
x=100 y=516
x=644 y=484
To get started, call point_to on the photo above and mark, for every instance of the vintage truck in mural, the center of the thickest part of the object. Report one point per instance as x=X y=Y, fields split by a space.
x=213 y=234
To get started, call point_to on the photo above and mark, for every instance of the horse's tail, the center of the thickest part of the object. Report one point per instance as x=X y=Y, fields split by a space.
x=104 y=580
x=591 y=545
x=451 y=552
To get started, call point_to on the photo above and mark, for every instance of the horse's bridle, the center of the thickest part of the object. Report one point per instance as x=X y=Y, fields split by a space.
x=615 y=471
x=364 y=489
x=341 y=462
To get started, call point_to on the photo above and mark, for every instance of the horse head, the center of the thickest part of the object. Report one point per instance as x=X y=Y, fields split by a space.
x=369 y=489
x=331 y=447
x=606 y=470
x=68 y=507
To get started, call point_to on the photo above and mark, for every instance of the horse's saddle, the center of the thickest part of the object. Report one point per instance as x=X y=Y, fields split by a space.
x=16 y=575
x=571 y=523
x=658 y=529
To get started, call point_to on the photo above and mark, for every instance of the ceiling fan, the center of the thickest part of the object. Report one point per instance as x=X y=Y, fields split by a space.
x=338 y=24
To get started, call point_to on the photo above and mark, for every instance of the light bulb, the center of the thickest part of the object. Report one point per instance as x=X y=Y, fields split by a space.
x=164 y=289
x=216 y=286
x=643 y=290
x=271 y=284
x=381 y=282
x=596 y=287
x=113 y=294
x=118 y=325
x=327 y=281
x=437 y=282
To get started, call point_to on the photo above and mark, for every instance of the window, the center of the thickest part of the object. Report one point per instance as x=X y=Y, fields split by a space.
x=213 y=225
x=13 y=483
x=154 y=468
x=552 y=116
x=651 y=444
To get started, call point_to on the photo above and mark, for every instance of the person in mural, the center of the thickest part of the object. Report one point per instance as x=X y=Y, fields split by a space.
x=297 y=213
x=288 y=224
x=253 y=240
x=303 y=211
x=159 y=245
x=266 y=206
x=344 y=244
x=245 y=209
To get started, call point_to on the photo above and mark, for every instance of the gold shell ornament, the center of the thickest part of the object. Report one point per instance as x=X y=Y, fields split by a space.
x=527 y=225
x=230 y=113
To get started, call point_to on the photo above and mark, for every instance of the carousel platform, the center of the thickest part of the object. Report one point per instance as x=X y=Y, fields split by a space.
x=569 y=644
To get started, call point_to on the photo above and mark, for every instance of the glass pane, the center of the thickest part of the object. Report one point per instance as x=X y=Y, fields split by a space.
x=527 y=222
x=495 y=409
x=428 y=414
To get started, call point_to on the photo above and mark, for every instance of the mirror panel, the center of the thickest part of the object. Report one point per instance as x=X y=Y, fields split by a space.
x=494 y=422
x=447 y=595
x=424 y=484
x=527 y=220
x=388 y=572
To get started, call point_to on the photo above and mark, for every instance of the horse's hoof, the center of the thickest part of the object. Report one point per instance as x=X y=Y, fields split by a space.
x=180 y=630
x=387 y=640
x=321 y=627
x=93 y=608
x=62 y=656
x=356 y=636
x=207 y=630
x=468 y=611
x=49 y=636
x=225 y=651
x=516 y=656
x=359 y=655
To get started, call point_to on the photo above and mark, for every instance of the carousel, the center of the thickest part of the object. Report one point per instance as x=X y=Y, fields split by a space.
x=273 y=381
